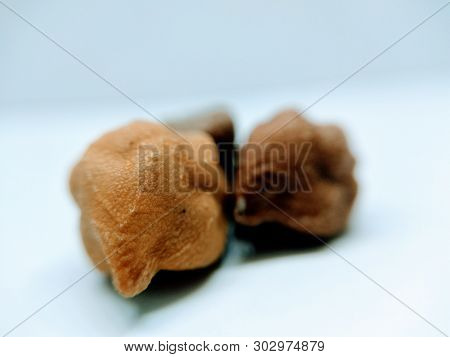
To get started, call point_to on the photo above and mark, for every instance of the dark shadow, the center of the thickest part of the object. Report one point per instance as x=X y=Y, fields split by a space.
x=168 y=287
x=272 y=239
x=249 y=243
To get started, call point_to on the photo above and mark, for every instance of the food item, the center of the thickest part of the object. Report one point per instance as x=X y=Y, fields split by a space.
x=298 y=174
x=147 y=205
x=219 y=125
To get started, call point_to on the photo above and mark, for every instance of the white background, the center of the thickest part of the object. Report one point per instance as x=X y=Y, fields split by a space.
x=256 y=57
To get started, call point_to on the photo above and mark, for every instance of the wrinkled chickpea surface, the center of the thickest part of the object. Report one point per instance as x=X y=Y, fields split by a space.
x=131 y=233
x=321 y=204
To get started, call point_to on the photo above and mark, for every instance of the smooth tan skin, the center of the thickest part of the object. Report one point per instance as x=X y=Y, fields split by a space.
x=131 y=233
x=329 y=168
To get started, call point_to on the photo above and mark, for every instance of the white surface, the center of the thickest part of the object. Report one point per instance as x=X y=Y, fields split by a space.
x=155 y=49
x=399 y=232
